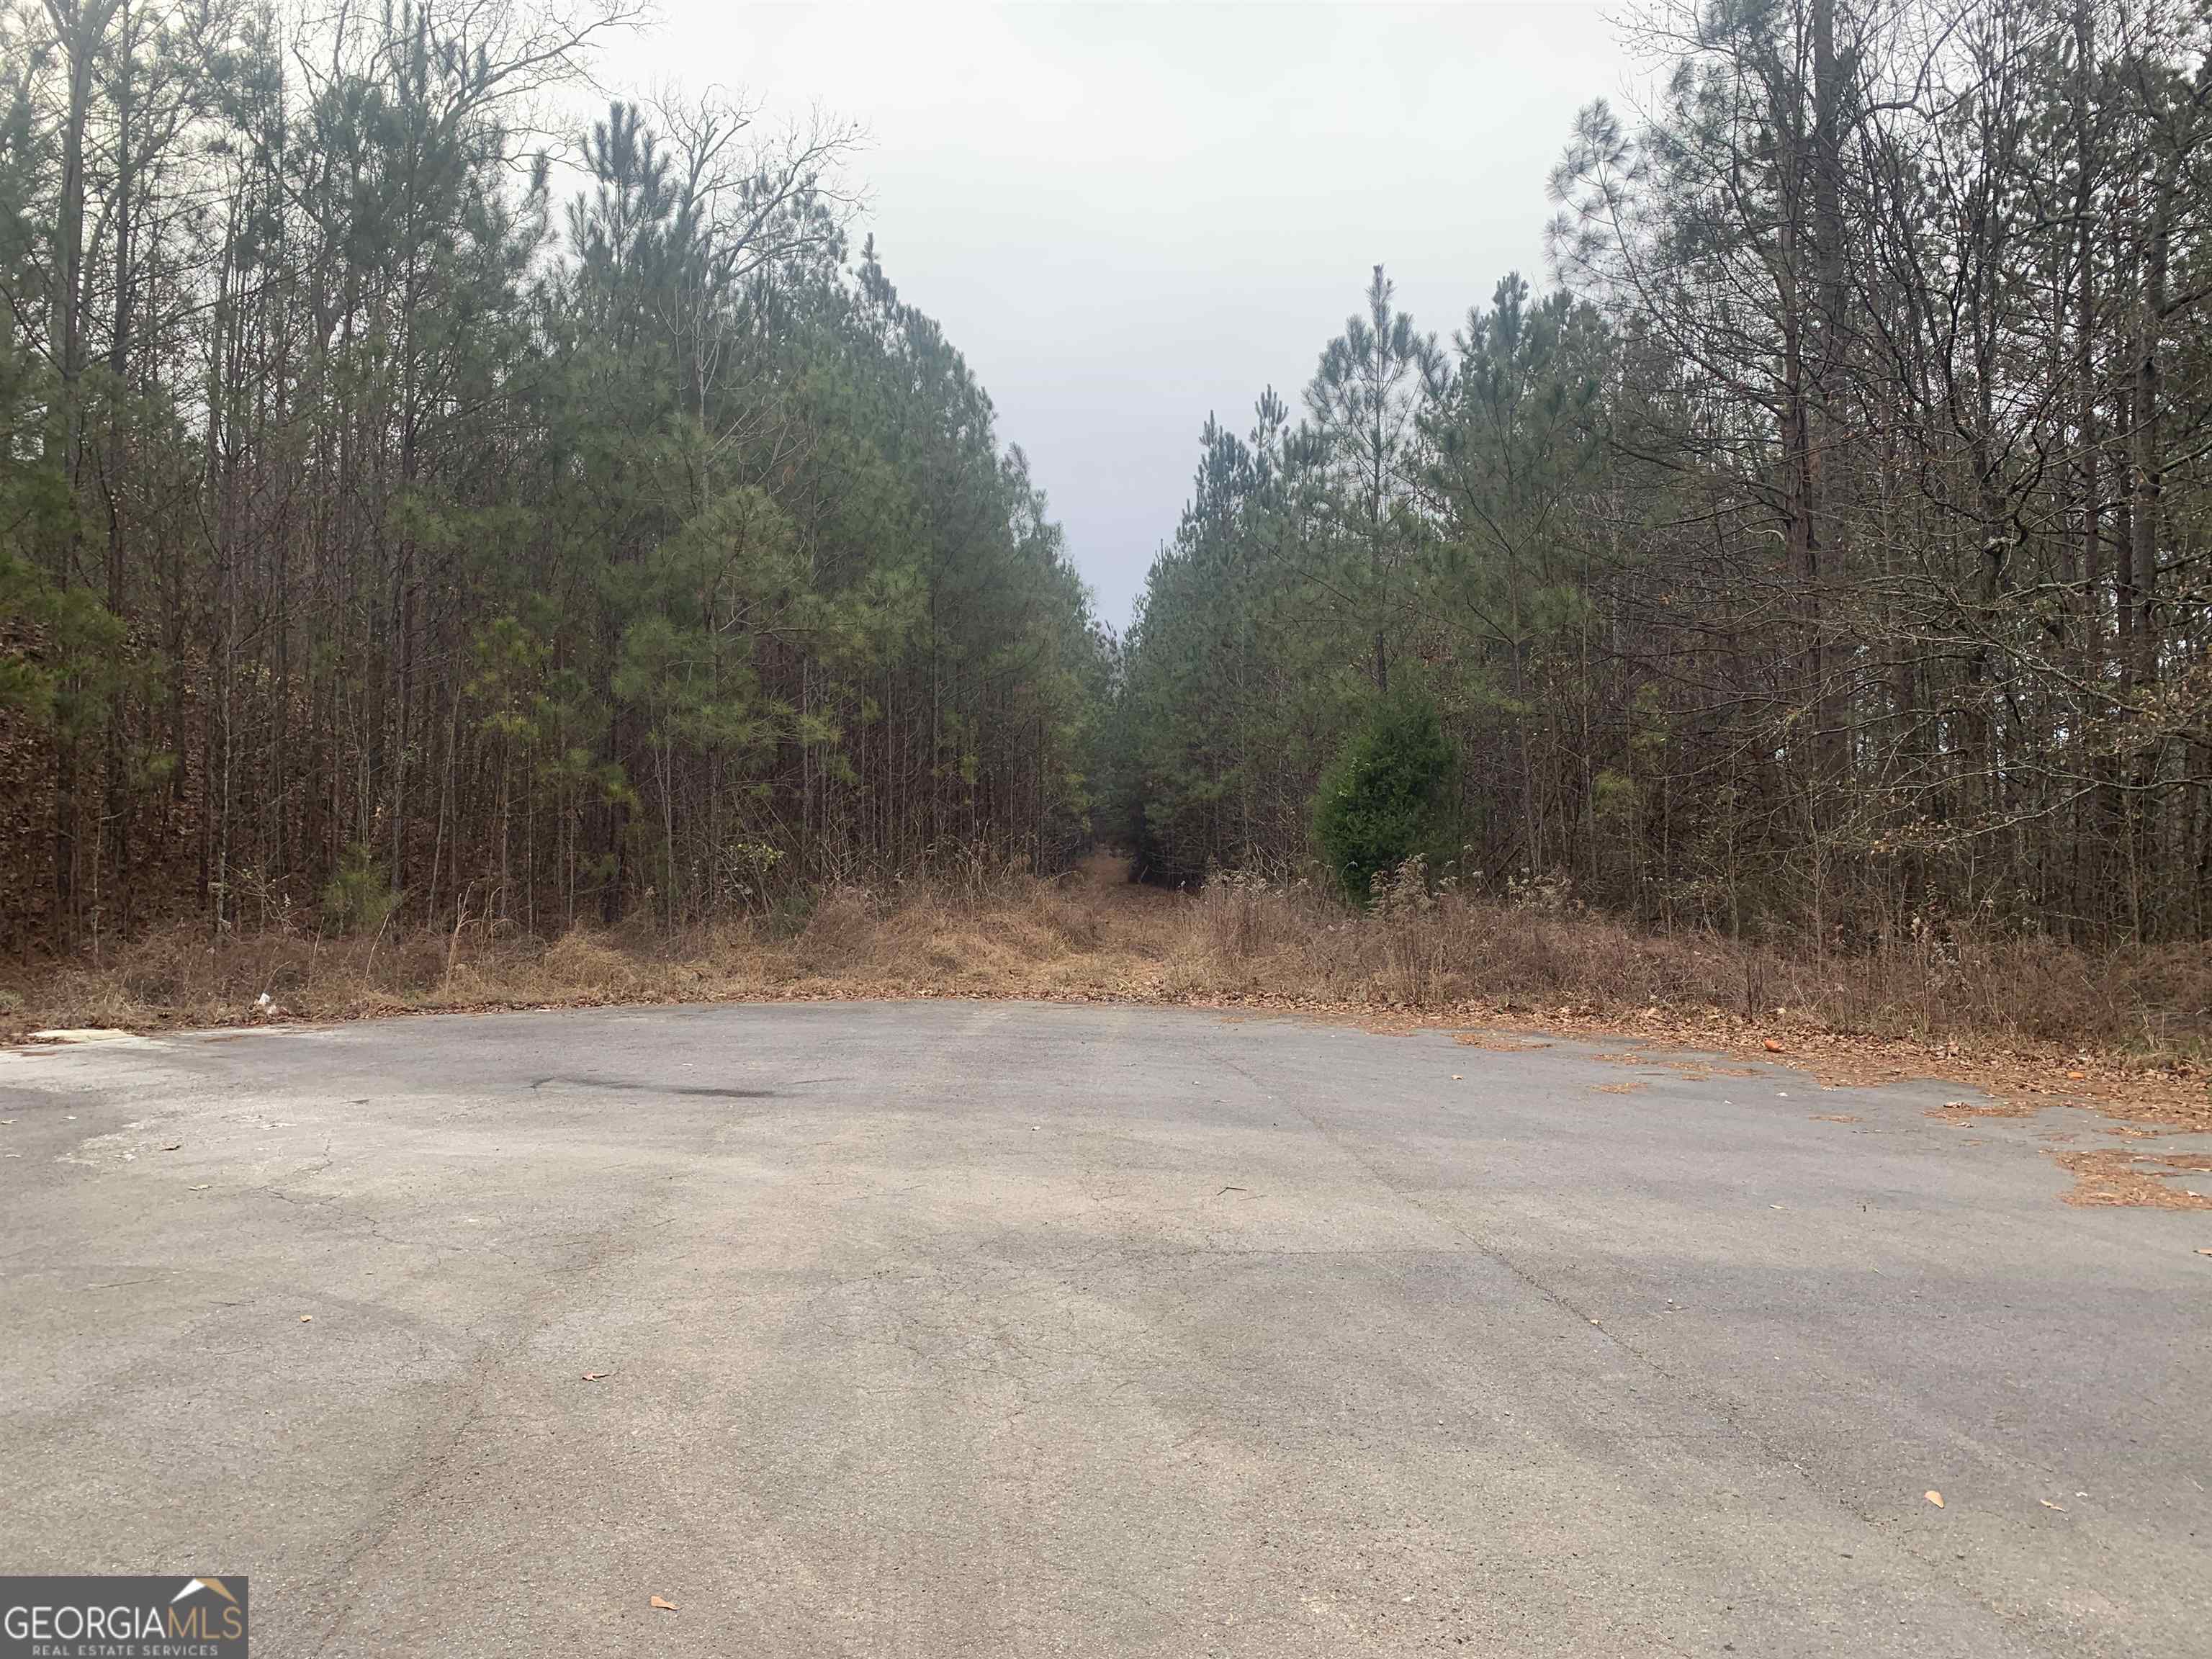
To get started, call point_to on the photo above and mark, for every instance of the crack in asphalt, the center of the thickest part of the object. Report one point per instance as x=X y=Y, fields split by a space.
x=638 y=1085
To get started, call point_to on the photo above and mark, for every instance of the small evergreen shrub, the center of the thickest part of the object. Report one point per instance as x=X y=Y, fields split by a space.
x=357 y=898
x=1387 y=797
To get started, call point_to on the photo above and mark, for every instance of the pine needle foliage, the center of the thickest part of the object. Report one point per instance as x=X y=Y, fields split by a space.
x=1388 y=797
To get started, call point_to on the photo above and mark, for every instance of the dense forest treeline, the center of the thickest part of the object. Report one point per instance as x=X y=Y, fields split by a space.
x=403 y=505
x=1826 y=549
x=418 y=500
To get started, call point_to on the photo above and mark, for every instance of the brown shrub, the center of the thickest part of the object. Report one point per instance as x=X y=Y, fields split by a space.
x=583 y=961
x=839 y=934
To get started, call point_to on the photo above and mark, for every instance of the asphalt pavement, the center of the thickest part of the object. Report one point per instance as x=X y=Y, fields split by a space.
x=1005 y=1329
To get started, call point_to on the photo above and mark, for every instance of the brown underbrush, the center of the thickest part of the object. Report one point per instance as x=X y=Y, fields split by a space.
x=2051 y=1019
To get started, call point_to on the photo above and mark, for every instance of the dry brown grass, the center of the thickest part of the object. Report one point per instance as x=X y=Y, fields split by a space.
x=2028 y=1017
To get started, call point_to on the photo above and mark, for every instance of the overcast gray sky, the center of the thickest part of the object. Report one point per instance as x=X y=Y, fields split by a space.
x=1127 y=216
